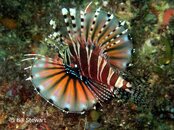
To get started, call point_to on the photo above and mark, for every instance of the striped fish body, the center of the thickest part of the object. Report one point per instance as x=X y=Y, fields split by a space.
x=96 y=48
x=95 y=67
x=99 y=45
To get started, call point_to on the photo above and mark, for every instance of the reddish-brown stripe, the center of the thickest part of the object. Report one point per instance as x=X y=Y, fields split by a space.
x=72 y=52
x=124 y=84
x=93 y=66
x=114 y=79
x=100 y=67
x=105 y=73
x=84 y=61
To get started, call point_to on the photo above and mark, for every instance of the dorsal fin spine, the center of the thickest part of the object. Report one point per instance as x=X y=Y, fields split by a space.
x=94 y=23
x=115 y=34
x=73 y=18
x=82 y=19
x=111 y=16
x=88 y=8
x=66 y=19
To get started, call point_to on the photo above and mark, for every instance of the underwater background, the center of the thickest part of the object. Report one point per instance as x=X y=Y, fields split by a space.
x=23 y=26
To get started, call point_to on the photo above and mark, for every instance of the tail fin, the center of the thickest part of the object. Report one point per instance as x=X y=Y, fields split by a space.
x=139 y=95
x=136 y=95
x=121 y=94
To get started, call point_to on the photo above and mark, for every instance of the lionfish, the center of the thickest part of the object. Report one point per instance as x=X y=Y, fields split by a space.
x=92 y=54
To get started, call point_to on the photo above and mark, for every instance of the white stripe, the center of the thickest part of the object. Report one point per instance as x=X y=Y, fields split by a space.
x=68 y=28
x=118 y=35
x=117 y=41
x=55 y=34
x=70 y=54
x=88 y=6
x=128 y=90
x=28 y=59
x=88 y=58
x=26 y=68
x=117 y=28
x=82 y=23
x=111 y=17
x=128 y=85
x=78 y=54
x=66 y=20
x=98 y=66
x=72 y=12
x=78 y=48
x=74 y=46
x=112 y=39
x=111 y=33
x=103 y=66
x=119 y=82
x=124 y=31
x=29 y=78
x=123 y=23
x=53 y=24
x=111 y=72
x=34 y=55
x=64 y=11
x=105 y=38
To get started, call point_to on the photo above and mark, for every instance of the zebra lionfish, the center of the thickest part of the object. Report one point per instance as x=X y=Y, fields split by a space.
x=92 y=54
